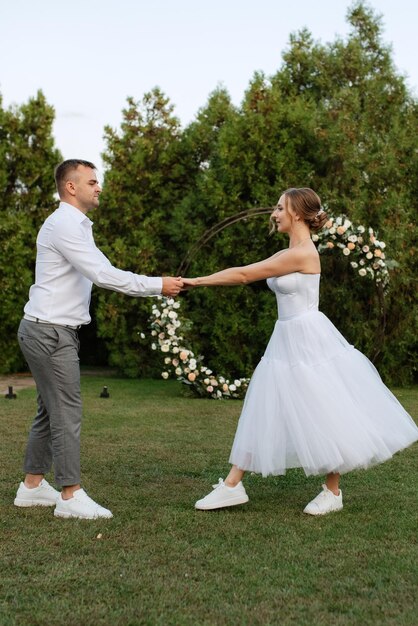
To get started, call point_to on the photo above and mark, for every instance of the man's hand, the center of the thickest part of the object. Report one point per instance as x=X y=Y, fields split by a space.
x=172 y=285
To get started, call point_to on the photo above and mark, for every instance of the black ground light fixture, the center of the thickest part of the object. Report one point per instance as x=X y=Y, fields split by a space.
x=10 y=395
x=105 y=393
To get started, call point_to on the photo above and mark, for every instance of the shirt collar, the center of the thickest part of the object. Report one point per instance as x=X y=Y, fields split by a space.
x=76 y=213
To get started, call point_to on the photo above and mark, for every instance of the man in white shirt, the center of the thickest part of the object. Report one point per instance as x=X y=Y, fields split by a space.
x=67 y=264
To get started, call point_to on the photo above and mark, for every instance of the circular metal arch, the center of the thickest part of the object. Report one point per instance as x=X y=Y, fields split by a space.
x=217 y=228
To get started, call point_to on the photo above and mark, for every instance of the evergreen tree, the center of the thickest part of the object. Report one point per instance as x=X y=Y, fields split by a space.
x=147 y=172
x=27 y=161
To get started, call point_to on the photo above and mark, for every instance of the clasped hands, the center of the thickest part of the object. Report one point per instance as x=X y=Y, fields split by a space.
x=172 y=285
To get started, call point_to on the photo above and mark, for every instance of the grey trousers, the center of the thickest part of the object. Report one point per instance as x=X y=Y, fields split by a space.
x=51 y=352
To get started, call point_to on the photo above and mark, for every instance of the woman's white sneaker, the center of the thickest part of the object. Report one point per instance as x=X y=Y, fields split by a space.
x=43 y=495
x=80 y=506
x=324 y=503
x=222 y=496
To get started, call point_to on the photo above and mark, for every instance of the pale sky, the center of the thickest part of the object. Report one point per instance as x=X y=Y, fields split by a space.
x=87 y=56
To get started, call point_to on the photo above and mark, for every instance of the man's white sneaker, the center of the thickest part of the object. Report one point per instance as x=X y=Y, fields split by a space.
x=43 y=495
x=324 y=503
x=80 y=506
x=222 y=496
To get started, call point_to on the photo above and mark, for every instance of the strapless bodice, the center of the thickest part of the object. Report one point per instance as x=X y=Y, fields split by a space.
x=296 y=293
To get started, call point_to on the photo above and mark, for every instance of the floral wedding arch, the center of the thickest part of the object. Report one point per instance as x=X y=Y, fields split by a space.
x=169 y=330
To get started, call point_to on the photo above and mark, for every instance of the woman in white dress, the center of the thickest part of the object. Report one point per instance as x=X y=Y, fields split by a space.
x=314 y=401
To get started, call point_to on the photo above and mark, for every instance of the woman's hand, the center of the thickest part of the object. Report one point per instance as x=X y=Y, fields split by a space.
x=188 y=283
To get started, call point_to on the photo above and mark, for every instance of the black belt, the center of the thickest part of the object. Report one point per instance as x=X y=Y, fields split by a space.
x=30 y=318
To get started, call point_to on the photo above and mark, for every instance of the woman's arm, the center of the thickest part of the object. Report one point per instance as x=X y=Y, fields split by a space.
x=286 y=262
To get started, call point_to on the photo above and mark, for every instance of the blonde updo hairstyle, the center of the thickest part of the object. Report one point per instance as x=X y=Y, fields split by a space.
x=307 y=205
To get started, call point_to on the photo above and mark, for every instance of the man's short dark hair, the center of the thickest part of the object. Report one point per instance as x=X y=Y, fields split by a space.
x=62 y=170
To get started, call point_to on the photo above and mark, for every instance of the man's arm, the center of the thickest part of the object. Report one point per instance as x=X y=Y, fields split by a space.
x=73 y=243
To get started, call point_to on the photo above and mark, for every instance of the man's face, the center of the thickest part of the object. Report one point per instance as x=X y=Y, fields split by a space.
x=85 y=188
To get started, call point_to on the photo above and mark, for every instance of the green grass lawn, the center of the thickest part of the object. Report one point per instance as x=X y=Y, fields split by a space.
x=148 y=454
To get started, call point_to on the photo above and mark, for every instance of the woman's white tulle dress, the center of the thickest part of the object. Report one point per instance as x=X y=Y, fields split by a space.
x=314 y=401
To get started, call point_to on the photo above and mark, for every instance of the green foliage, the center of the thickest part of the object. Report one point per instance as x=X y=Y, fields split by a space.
x=27 y=161
x=336 y=117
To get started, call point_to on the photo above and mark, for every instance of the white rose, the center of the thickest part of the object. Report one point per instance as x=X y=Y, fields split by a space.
x=237 y=383
x=315 y=237
x=360 y=229
x=170 y=301
x=176 y=305
x=157 y=313
x=362 y=272
x=178 y=371
x=369 y=255
x=332 y=230
x=354 y=264
x=365 y=248
x=206 y=381
x=142 y=336
x=175 y=350
x=352 y=238
x=346 y=251
x=232 y=387
x=153 y=346
x=167 y=360
x=172 y=315
x=165 y=348
x=219 y=394
x=362 y=261
x=164 y=375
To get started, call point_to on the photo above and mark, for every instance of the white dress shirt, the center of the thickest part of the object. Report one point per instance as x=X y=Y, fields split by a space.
x=67 y=263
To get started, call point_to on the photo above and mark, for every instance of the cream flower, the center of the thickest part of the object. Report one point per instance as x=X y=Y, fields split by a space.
x=165 y=348
x=362 y=272
x=346 y=251
x=165 y=375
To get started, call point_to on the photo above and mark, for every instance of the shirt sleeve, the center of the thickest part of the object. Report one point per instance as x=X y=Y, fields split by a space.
x=76 y=244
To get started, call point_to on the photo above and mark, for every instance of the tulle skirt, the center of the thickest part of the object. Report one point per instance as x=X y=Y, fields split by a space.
x=316 y=402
